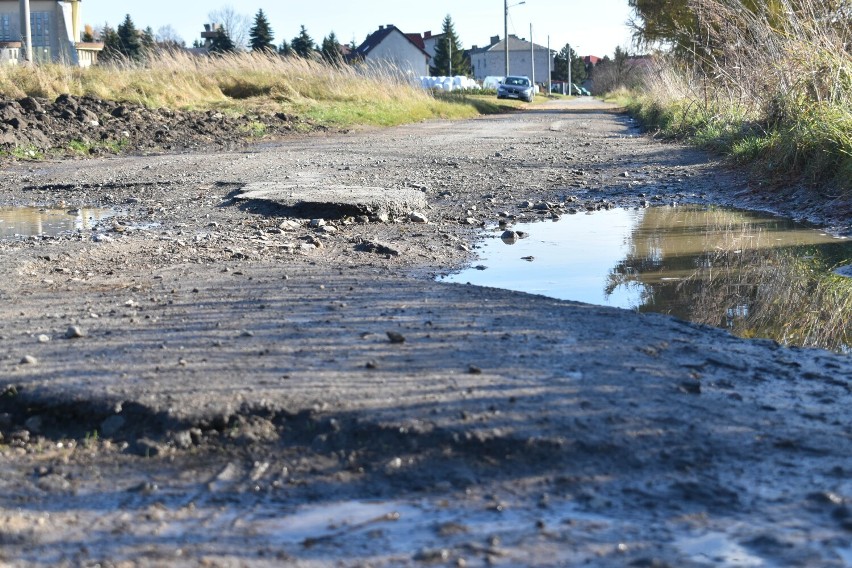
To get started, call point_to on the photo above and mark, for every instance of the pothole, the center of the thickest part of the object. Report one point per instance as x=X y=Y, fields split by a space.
x=756 y=274
x=21 y=222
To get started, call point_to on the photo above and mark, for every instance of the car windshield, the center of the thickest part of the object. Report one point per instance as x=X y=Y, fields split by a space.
x=519 y=81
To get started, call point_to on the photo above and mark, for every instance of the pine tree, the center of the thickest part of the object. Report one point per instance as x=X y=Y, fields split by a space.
x=565 y=58
x=130 y=44
x=331 y=49
x=449 y=54
x=303 y=44
x=112 y=44
x=260 y=35
x=285 y=49
x=147 y=39
x=222 y=43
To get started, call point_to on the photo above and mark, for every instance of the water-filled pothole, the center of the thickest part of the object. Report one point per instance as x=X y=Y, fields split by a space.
x=756 y=274
x=18 y=222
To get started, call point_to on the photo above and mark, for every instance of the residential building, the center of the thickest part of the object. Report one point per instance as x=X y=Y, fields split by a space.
x=490 y=61
x=55 y=29
x=388 y=46
x=430 y=42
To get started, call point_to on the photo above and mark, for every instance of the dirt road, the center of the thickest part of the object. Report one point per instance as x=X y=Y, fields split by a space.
x=208 y=381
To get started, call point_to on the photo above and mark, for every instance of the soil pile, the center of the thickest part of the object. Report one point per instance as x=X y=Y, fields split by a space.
x=74 y=125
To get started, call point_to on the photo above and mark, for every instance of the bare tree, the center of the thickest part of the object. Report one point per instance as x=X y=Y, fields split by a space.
x=167 y=35
x=237 y=24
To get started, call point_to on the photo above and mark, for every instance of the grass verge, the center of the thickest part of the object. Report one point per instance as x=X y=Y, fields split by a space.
x=334 y=95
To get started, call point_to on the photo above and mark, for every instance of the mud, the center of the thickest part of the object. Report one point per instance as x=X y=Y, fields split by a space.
x=208 y=381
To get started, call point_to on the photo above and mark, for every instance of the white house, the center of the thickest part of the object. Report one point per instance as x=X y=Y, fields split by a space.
x=490 y=61
x=430 y=42
x=55 y=29
x=389 y=46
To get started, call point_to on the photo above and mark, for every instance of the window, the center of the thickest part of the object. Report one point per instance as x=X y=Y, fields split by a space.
x=41 y=28
x=6 y=33
x=40 y=22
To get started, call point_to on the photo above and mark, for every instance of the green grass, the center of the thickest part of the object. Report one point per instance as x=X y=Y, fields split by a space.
x=812 y=143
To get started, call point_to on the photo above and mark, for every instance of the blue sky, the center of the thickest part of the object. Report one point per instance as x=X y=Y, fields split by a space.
x=595 y=28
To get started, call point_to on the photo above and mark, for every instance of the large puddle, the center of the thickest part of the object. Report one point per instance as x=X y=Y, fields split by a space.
x=758 y=275
x=19 y=222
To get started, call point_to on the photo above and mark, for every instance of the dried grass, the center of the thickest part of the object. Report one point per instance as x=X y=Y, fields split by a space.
x=772 y=84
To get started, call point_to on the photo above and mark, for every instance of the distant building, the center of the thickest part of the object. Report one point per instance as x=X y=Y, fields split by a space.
x=430 y=42
x=390 y=47
x=55 y=30
x=490 y=61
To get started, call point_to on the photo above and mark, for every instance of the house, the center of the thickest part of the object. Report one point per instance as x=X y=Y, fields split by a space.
x=55 y=30
x=430 y=42
x=490 y=61
x=389 y=46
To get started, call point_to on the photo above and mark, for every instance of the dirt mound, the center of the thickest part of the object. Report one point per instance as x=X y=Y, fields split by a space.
x=73 y=125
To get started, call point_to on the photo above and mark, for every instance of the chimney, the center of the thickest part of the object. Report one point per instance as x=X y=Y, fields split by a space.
x=495 y=39
x=381 y=28
x=206 y=27
x=427 y=35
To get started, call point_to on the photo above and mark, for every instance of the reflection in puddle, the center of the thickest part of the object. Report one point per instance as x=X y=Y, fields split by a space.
x=716 y=549
x=16 y=222
x=758 y=275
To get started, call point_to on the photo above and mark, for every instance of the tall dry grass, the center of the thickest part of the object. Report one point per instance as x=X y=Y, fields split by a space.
x=242 y=82
x=769 y=82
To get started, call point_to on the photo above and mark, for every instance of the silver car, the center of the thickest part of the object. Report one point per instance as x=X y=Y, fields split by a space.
x=514 y=87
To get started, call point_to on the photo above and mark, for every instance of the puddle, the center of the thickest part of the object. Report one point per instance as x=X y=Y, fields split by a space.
x=716 y=549
x=758 y=275
x=20 y=222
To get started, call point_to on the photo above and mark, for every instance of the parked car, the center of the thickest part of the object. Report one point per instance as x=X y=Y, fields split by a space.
x=515 y=87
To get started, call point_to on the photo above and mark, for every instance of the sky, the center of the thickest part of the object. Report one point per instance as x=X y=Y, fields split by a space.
x=592 y=28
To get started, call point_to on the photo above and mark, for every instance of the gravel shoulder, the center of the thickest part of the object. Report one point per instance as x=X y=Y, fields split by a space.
x=208 y=380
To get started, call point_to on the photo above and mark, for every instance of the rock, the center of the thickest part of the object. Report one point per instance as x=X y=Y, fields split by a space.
x=34 y=424
x=376 y=247
x=316 y=223
x=509 y=237
x=29 y=360
x=417 y=217
x=112 y=425
x=74 y=332
x=395 y=337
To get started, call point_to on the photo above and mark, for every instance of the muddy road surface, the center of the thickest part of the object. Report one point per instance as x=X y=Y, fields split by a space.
x=213 y=377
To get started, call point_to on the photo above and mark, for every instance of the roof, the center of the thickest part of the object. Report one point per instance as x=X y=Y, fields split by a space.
x=417 y=40
x=379 y=36
x=515 y=44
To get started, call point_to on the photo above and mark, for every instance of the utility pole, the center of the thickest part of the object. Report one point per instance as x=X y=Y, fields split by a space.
x=549 y=70
x=506 y=32
x=532 y=59
x=26 y=31
x=570 y=63
x=450 y=50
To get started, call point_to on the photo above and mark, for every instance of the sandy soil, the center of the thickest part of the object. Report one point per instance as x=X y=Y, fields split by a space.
x=205 y=381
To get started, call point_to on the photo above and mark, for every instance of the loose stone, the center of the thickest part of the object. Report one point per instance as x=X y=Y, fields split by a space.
x=74 y=332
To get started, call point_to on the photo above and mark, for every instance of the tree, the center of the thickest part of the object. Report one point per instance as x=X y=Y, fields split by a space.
x=237 y=25
x=285 y=49
x=130 y=44
x=112 y=44
x=260 y=34
x=222 y=43
x=565 y=59
x=331 y=49
x=169 y=38
x=449 y=54
x=88 y=34
x=147 y=39
x=303 y=45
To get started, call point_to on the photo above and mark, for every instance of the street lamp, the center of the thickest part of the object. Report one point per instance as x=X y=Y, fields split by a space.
x=26 y=30
x=506 y=29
